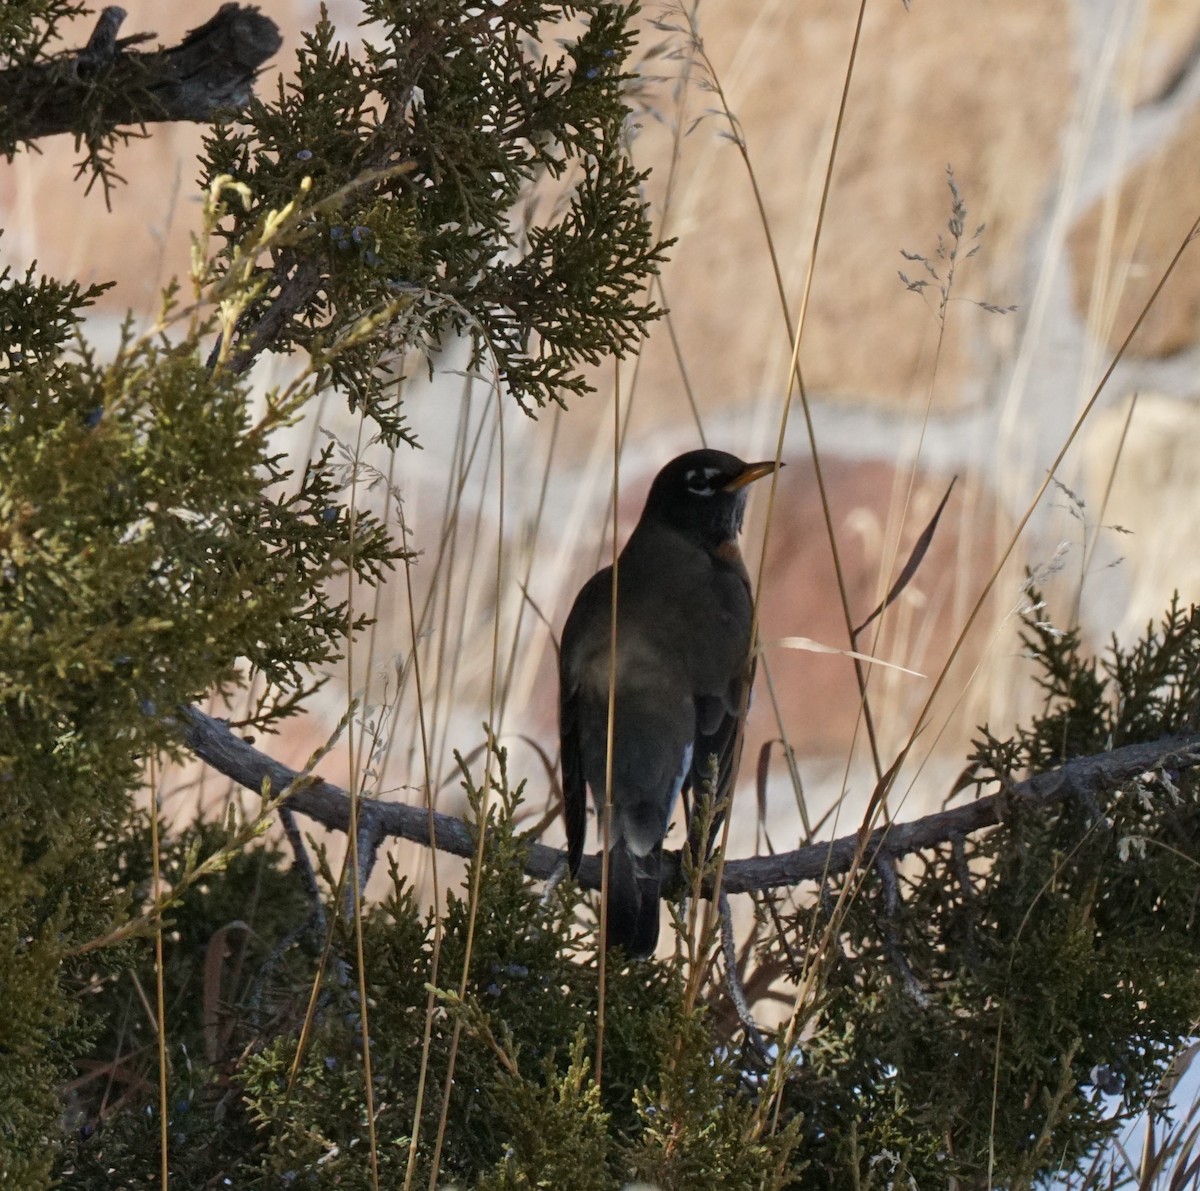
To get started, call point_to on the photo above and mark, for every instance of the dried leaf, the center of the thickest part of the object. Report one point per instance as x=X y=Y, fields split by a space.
x=910 y=567
x=214 y=1017
x=760 y=789
x=811 y=646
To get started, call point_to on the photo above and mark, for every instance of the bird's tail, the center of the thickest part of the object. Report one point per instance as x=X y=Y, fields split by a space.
x=633 y=896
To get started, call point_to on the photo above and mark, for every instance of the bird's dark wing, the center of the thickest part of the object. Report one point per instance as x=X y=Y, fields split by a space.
x=718 y=731
x=719 y=718
x=587 y=627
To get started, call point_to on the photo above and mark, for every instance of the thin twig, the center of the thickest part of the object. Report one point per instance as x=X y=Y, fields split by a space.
x=308 y=877
x=733 y=984
x=885 y=866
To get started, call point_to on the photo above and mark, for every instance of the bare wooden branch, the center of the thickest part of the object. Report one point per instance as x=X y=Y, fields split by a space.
x=1081 y=778
x=105 y=85
x=298 y=282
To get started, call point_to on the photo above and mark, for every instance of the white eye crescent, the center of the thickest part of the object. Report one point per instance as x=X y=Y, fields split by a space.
x=703 y=481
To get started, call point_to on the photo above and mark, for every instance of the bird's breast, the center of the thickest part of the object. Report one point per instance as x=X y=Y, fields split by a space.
x=730 y=554
x=643 y=664
x=683 y=621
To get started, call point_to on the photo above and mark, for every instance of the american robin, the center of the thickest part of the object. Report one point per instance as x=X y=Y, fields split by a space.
x=684 y=609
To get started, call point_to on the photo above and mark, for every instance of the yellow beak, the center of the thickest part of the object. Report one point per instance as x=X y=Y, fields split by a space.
x=754 y=471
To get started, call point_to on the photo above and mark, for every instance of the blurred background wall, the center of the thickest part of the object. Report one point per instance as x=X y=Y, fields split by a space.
x=1072 y=128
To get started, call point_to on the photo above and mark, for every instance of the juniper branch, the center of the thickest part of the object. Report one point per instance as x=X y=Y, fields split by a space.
x=1080 y=778
x=96 y=90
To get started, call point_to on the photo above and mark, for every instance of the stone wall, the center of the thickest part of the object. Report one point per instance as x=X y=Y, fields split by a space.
x=1073 y=131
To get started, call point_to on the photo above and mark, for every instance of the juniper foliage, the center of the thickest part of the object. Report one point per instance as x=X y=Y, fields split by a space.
x=1025 y=994
x=418 y=151
x=526 y=1111
x=1007 y=1013
x=154 y=548
x=154 y=545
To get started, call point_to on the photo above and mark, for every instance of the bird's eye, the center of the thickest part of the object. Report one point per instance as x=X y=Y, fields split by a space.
x=703 y=481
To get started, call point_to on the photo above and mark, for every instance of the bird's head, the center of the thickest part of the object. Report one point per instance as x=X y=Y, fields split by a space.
x=703 y=494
